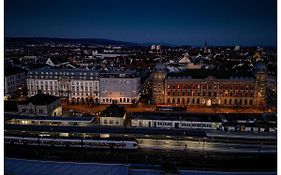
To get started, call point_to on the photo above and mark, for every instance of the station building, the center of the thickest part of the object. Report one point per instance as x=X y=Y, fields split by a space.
x=209 y=87
x=113 y=115
x=40 y=105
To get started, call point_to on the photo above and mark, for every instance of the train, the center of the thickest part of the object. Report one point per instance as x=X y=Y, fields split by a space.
x=128 y=144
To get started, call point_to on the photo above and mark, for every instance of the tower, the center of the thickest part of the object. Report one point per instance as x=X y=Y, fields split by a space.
x=260 y=85
x=205 y=47
x=158 y=83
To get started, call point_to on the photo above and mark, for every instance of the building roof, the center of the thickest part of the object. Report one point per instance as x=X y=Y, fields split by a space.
x=113 y=111
x=51 y=118
x=160 y=67
x=12 y=70
x=204 y=73
x=40 y=99
x=261 y=67
x=59 y=60
x=94 y=129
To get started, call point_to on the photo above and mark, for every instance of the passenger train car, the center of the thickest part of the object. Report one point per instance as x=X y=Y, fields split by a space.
x=85 y=143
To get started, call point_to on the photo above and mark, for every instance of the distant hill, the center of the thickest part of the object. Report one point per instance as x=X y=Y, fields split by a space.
x=22 y=41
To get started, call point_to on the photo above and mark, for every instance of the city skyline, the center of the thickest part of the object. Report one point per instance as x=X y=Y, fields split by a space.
x=251 y=23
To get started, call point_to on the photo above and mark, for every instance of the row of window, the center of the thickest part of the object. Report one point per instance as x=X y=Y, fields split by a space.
x=61 y=77
x=54 y=87
x=164 y=123
x=197 y=101
x=180 y=86
x=111 y=122
x=225 y=94
x=196 y=125
x=15 y=76
x=61 y=73
x=121 y=100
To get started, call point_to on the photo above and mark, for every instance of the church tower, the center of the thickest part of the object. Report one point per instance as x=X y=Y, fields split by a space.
x=205 y=48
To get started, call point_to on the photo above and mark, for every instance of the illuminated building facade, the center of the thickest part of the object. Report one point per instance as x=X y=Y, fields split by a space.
x=74 y=84
x=122 y=87
x=206 y=87
x=81 y=85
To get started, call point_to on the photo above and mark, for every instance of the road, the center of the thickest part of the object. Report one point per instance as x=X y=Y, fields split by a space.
x=141 y=107
x=204 y=146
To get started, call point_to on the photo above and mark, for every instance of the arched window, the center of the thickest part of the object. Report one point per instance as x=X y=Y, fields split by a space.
x=251 y=102
x=193 y=101
x=198 y=100
x=230 y=101
x=245 y=102
x=183 y=101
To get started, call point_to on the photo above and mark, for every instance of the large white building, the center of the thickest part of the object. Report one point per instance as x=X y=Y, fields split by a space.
x=86 y=85
x=122 y=87
x=74 y=84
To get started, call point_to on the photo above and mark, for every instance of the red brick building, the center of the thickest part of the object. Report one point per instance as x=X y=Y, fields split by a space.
x=206 y=87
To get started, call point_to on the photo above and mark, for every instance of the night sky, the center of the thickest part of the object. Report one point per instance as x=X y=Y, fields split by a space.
x=219 y=22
